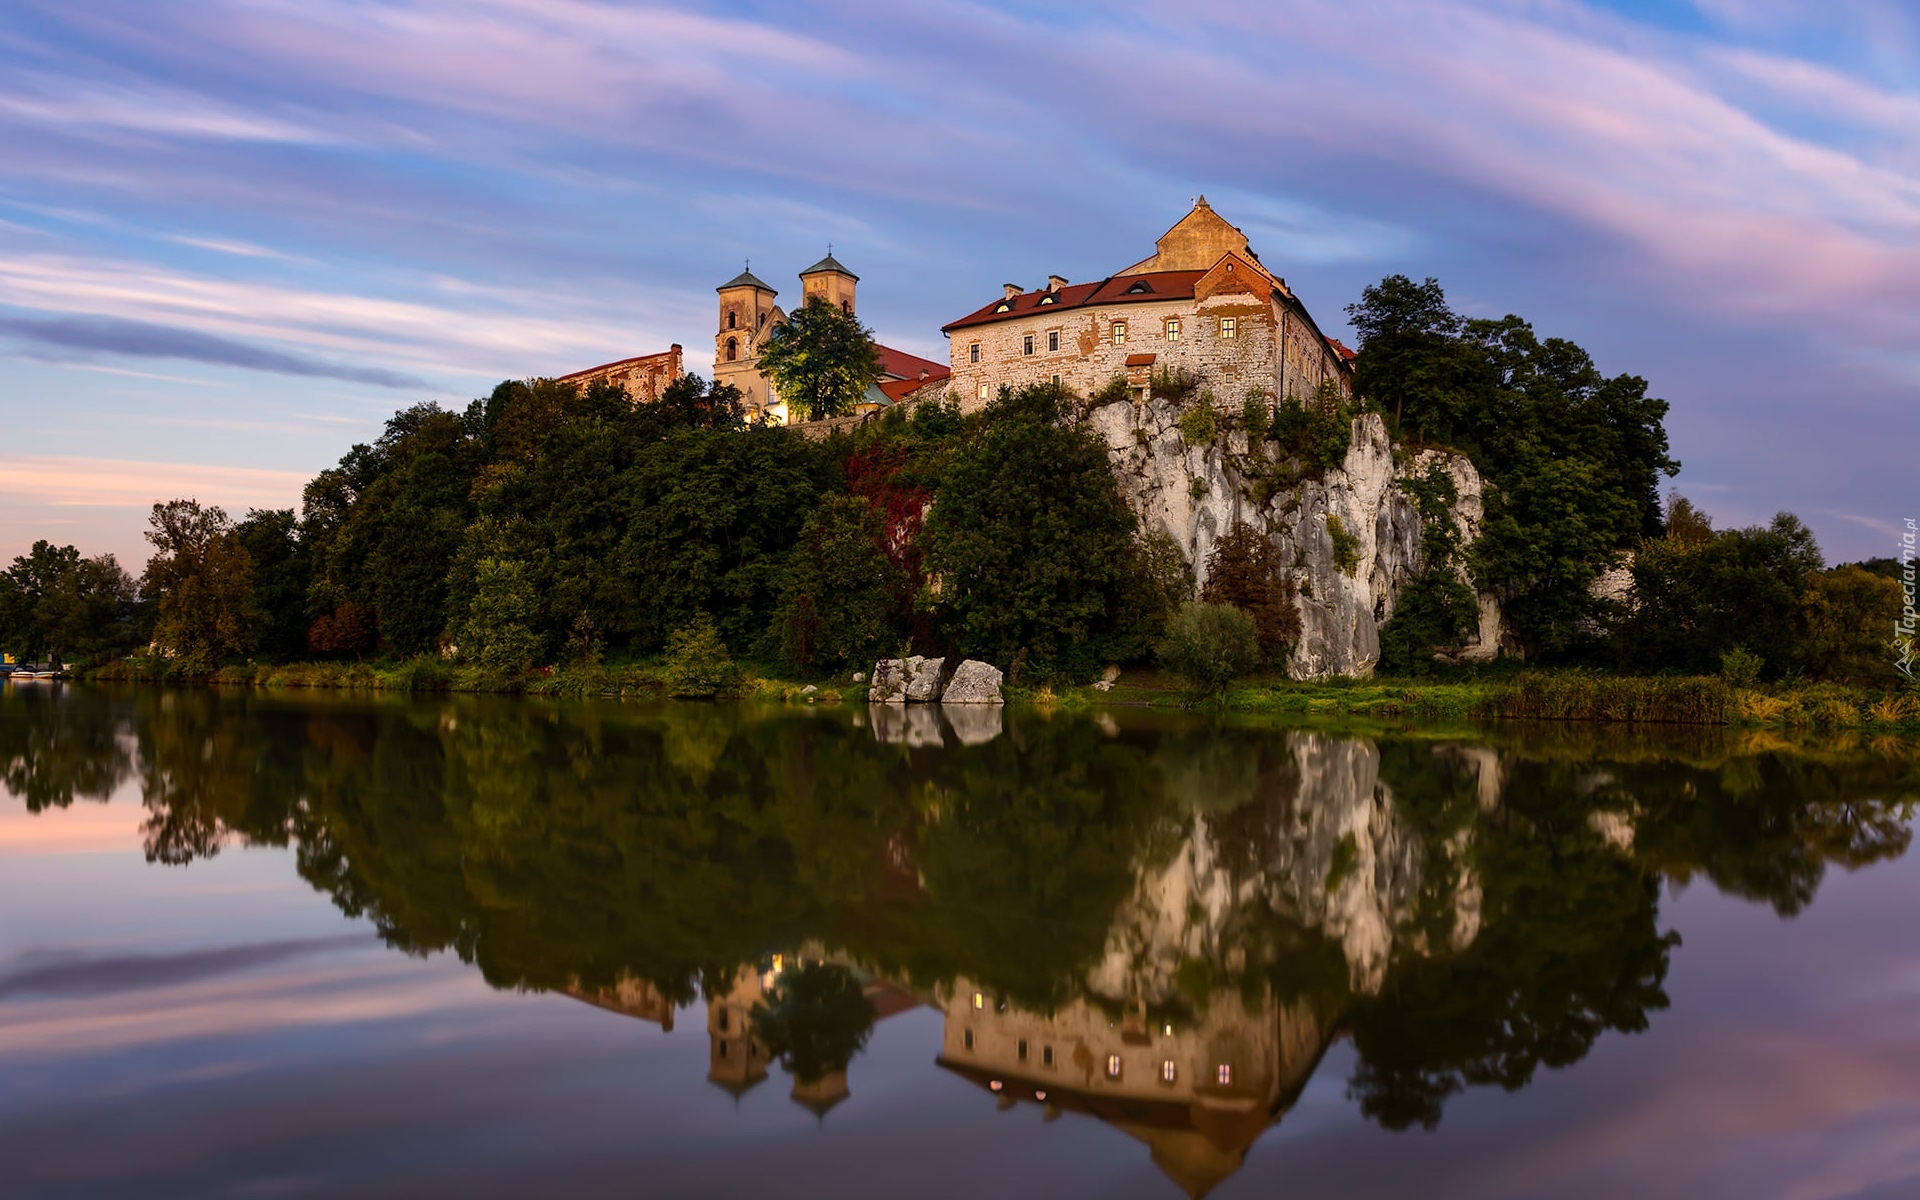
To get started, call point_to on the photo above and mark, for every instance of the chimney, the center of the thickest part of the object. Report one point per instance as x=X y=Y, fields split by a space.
x=923 y=374
x=1056 y=282
x=1012 y=289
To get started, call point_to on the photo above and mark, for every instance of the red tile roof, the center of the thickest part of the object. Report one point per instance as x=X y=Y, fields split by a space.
x=1140 y=360
x=1117 y=289
x=1340 y=348
x=901 y=365
x=648 y=359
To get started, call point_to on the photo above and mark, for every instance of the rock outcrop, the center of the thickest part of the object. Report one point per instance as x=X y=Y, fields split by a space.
x=974 y=682
x=1351 y=536
x=913 y=680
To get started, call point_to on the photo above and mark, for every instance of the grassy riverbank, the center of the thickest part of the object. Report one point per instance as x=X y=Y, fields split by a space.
x=1491 y=694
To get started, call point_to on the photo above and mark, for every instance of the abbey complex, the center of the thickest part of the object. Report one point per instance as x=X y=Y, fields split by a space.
x=1202 y=303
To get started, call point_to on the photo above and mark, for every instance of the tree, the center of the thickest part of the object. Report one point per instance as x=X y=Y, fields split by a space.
x=839 y=602
x=1245 y=571
x=281 y=574
x=498 y=631
x=822 y=361
x=1030 y=540
x=201 y=581
x=55 y=604
x=1210 y=645
x=1850 y=615
x=422 y=535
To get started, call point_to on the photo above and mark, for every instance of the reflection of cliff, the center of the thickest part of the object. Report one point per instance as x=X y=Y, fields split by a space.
x=1198 y=1093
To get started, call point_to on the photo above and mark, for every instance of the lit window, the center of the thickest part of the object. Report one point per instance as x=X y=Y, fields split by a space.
x=1023 y=1049
x=1119 y=333
x=983 y=391
x=1026 y=344
x=1229 y=327
x=1003 y=307
x=966 y=1039
x=1053 y=340
x=1167 y=1071
x=979 y=1000
x=1224 y=1073
x=973 y=352
x=1046 y=1055
x=1167 y=1029
x=1173 y=329
x=1113 y=1066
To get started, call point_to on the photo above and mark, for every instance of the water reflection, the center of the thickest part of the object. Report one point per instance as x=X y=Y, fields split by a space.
x=1148 y=920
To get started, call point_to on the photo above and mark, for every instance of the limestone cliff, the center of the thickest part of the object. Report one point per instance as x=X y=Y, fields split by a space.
x=1195 y=494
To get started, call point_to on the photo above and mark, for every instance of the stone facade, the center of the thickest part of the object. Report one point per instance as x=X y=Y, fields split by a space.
x=1203 y=303
x=644 y=378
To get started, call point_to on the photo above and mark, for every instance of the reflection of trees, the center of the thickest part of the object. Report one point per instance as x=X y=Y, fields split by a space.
x=1500 y=909
x=815 y=1019
x=60 y=744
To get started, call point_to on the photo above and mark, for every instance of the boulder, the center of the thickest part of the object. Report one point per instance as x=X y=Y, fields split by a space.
x=974 y=683
x=913 y=680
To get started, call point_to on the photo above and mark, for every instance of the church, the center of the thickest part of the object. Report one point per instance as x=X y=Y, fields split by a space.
x=748 y=316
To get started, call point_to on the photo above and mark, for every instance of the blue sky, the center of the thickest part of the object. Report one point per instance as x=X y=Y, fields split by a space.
x=236 y=234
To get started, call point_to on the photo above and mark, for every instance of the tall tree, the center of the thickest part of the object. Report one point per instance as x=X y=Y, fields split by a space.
x=822 y=361
x=57 y=605
x=201 y=581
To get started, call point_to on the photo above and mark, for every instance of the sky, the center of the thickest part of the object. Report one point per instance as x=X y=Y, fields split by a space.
x=236 y=235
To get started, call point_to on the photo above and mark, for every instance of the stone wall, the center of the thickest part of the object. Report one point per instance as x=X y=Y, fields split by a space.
x=644 y=378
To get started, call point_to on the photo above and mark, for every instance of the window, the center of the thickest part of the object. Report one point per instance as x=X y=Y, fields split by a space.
x=1046 y=1055
x=1049 y=299
x=1026 y=345
x=1053 y=339
x=973 y=352
x=1173 y=329
x=723 y=1049
x=733 y=349
x=1113 y=1066
x=1229 y=327
x=1168 y=1072
x=846 y=306
x=733 y=320
x=1023 y=1049
x=1119 y=333
x=721 y=1023
x=1140 y=289
x=983 y=391
x=966 y=1039
x=1003 y=306
x=1224 y=1073
x=979 y=1001
x=1056 y=381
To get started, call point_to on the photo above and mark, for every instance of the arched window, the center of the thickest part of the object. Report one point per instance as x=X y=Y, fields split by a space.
x=733 y=349
x=847 y=307
x=733 y=319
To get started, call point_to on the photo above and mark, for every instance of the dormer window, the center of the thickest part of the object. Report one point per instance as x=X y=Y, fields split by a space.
x=1049 y=298
x=1140 y=289
x=1003 y=306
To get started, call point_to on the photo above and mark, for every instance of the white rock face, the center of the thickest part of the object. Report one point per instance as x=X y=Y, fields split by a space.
x=1196 y=494
x=1336 y=859
x=974 y=682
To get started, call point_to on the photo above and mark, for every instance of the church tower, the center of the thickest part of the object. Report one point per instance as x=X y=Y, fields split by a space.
x=830 y=281
x=747 y=315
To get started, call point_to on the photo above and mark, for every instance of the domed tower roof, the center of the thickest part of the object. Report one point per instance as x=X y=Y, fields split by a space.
x=829 y=264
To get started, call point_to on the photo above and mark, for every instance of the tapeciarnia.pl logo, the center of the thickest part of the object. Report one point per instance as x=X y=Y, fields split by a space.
x=1903 y=629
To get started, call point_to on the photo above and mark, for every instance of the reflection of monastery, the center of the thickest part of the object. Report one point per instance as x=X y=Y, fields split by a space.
x=1202 y=303
x=1311 y=841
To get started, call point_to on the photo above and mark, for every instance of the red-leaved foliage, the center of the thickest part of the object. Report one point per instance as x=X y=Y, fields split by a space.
x=873 y=474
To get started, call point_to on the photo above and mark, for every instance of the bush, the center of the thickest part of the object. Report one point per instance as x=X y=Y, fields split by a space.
x=498 y=632
x=840 y=604
x=1435 y=610
x=1173 y=383
x=1317 y=432
x=1740 y=667
x=698 y=666
x=1210 y=645
x=1256 y=415
x=1113 y=391
x=1346 y=547
x=1244 y=571
x=1198 y=426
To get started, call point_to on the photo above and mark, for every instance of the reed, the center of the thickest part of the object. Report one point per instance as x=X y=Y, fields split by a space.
x=1610 y=699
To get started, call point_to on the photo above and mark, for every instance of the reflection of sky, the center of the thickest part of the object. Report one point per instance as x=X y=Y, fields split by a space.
x=222 y=1030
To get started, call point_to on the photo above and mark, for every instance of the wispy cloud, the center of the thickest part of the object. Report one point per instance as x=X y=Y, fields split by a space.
x=60 y=337
x=112 y=483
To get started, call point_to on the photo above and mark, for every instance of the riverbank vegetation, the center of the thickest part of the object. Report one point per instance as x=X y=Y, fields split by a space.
x=548 y=538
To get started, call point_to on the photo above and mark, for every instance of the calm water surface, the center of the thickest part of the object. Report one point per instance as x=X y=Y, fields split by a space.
x=293 y=946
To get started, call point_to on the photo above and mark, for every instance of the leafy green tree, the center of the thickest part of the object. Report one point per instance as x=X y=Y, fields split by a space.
x=422 y=534
x=498 y=630
x=1210 y=645
x=1850 y=614
x=821 y=362
x=201 y=581
x=839 y=604
x=698 y=666
x=1030 y=540
x=1435 y=609
x=815 y=1019
x=281 y=575
x=1695 y=600
x=57 y=605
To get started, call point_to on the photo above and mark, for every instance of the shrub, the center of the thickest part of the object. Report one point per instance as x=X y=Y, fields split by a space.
x=498 y=632
x=1256 y=415
x=1198 y=425
x=1346 y=547
x=1436 y=610
x=1740 y=667
x=1113 y=391
x=1318 y=432
x=839 y=606
x=1210 y=645
x=698 y=666
x=1173 y=383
